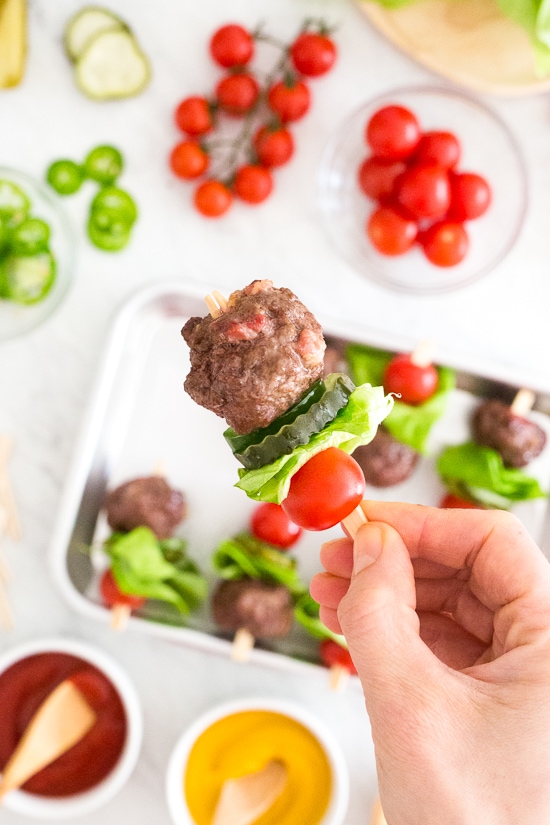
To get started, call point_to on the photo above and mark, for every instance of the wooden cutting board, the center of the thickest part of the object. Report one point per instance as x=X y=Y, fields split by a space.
x=467 y=41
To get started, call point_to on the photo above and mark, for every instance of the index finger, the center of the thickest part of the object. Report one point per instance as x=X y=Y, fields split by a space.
x=503 y=559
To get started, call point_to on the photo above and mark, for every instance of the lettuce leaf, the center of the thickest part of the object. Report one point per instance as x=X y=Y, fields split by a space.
x=409 y=424
x=306 y=613
x=144 y=566
x=246 y=556
x=354 y=425
x=478 y=473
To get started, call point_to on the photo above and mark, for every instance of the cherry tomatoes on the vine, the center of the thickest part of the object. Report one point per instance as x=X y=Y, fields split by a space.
x=445 y=243
x=212 y=198
x=439 y=148
x=193 y=116
x=237 y=93
x=313 y=54
x=390 y=232
x=270 y=523
x=393 y=133
x=470 y=196
x=290 y=101
x=274 y=147
x=452 y=502
x=332 y=654
x=253 y=184
x=188 y=160
x=414 y=383
x=424 y=191
x=325 y=490
x=113 y=596
x=232 y=45
x=377 y=177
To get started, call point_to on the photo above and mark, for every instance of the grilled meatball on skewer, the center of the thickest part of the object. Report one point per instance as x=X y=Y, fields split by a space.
x=145 y=502
x=386 y=461
x=516 y=438
x=264 y=609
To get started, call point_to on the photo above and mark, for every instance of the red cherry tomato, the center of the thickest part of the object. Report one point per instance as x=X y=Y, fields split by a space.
x=313 y=54
x=113 y=596
x=424 y=191
x=377 y=177
x=439 y=148
x=414 y=383
x=289 y=101
x=193 y=116
x=253 y=184
x=188 y=160
x=389 y=232
x=470 y=196
x=452 y=502
x=393 y=133
x=212 y=198
x=270 y=523
x=332 y=654
x=232 y=45
x=325 y=490
x=445 y=243
x=237 y=93
x=274 y=147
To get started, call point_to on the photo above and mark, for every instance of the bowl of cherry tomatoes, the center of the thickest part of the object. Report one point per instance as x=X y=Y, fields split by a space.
x=423 y=190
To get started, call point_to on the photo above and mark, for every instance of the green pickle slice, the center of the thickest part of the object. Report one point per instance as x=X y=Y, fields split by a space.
x=308 y=416
x=115 y=202
x=14 y=203
x=27 y=279
x=104 y=164
x=30 y=237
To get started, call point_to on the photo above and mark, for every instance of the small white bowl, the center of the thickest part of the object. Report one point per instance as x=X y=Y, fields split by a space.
x=338 y=804
x=56 y=808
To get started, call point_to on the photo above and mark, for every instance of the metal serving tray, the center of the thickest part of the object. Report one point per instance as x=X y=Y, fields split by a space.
x=140 y=416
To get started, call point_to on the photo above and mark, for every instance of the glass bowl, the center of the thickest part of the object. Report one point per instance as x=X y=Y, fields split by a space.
x=488 y=148
x=16 y=318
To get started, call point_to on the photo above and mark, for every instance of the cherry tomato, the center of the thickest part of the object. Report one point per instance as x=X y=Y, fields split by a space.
x=332 y=654
x=393 y=133
x=414 y=383
x=389 y=232
x=270 y=523
x=452 y=502
x=445 y=243
x=439 y=148
x=470 y=196
x=212 y=198
x=289 y=100
x=424 y=191
x=193 y=116
x=377 y=177
x=232 y=45
x=237 y=93
x=274 y=147
x=113 y=596
x=188 y=160
x=313 y=54
x=325 y=490
x=253 y=183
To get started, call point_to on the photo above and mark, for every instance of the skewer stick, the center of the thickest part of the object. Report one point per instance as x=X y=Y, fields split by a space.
x=338 y=678
x=120 y=613
x=7 y=498
x=523 y=402
x=422 y=355
x=354 y=521
x=243 y=643
x=216 y=303
x=377 y=816
x=6 y=615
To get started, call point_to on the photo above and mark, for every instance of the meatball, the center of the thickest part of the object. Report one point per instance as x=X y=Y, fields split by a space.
x=256 y=359
x=265 y=610
x=145 y=502
x=386 y=461
x=517 y=439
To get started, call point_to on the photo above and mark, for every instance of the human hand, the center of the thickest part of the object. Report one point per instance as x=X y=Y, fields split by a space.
x=447 y=617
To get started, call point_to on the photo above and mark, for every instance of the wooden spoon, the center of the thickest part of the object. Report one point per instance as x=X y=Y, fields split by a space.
x=242 y=801
x=62 y=719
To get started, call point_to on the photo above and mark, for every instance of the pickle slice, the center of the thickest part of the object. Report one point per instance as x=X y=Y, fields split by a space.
x=295 y=427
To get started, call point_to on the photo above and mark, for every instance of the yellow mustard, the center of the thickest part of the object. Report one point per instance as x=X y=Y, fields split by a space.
x=245 y=742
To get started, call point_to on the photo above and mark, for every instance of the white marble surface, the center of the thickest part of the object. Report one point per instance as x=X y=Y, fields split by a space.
x=46 y=377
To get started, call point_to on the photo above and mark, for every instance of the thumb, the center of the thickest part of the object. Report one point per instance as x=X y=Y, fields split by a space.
x=378 y=617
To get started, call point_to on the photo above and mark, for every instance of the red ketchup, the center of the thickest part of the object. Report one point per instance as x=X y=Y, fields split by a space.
x=23 y=688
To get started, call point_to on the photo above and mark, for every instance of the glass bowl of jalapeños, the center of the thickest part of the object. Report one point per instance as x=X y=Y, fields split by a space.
x=90 y=773
x=36 y=253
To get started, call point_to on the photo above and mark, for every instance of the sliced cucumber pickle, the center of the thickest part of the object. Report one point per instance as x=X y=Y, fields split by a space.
x=28 y=279
x=30 y=237
x=308 y=416
x=84 y=25
x=14 y=203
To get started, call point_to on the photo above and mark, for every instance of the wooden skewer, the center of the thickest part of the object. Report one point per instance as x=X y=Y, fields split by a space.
x=422 y=355
x=243 y=642
x=120 y=614
x=59 y=723
x=354 y=521
x=6 y=614
x=338 y=678
x=523 y=402
x=7 y=498
x=377 y=817
x=216 y=303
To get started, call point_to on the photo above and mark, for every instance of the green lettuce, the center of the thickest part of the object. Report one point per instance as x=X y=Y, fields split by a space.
x=478 y=473
x=144 y=566
x=354 y=425
x=407 y=423
x=246 y=556
x=306 y=613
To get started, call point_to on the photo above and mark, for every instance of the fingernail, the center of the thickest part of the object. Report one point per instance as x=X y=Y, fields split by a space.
x=367 y=547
